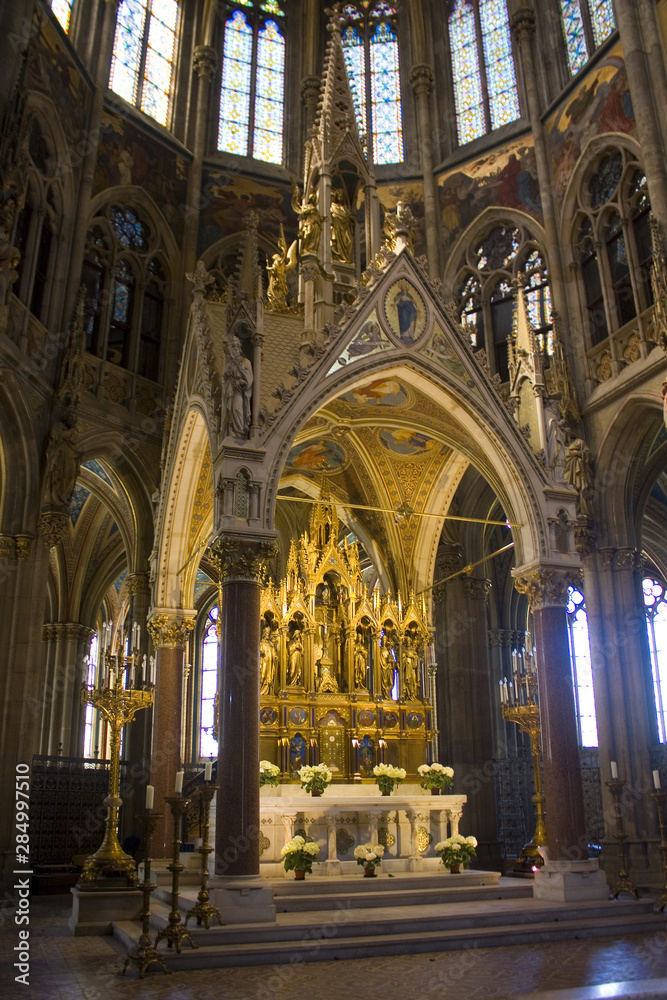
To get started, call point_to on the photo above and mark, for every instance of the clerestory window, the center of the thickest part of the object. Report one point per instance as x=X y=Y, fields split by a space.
x=144 y=54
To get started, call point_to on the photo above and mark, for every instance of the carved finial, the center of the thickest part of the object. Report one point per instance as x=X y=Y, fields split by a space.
x=200 y=277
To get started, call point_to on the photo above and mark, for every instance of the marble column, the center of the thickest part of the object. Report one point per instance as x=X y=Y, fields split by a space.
x=169 y=631
x=568 y=873
x=239 y=891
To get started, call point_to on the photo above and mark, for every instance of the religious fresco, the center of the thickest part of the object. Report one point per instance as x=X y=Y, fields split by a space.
x=315 y=456
x=379 y=392
x=405 y=311
x=506 y=176
x=601 y=103
x=51 y=70
x=403 y=441
x=369 y=340
x=226 y=198
x=440 y=349
x=127 y=155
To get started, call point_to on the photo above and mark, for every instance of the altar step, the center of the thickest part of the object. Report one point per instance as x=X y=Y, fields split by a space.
x=341 y=931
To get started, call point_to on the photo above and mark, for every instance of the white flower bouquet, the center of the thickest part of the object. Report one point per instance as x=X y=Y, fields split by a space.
x=298 y=854
x=436 y=776
x=386 y=775
x=268 y=773
x=456 y=850
x=316 y=777
x=369 y=855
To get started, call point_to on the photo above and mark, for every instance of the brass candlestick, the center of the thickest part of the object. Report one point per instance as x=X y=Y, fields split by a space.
x=118 y=704
x=175 y=931
x=204 y=909
x=659 y=799
x=145 y=954
x=623 y=883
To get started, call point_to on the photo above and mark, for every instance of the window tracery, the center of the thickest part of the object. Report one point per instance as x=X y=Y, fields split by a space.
x=582 y=670
x=586 y=25
x=485 y=89
x=612 y=243
x=486 y=293
x=370 y=47
x=144 y=53
x=126 y=283
x=253 y=81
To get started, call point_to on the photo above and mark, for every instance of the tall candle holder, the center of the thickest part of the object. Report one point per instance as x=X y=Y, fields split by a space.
x=175 y=931
x=623 y=883
x=145 y=954
x=659 y=798
x=118 y=699
x=203 y=910
x=519 y=703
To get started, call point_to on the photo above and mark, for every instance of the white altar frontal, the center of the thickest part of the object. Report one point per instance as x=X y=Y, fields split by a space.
x=408 y=823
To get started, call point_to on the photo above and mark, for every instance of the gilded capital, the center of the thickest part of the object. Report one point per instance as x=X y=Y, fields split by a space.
x=137 y=583
x=170 y=631
x=547 y=587
x=239 y=558
x=204 y=62
x=421 y=79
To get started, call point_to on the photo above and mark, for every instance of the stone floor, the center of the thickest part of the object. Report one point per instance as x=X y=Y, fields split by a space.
x=68 y=968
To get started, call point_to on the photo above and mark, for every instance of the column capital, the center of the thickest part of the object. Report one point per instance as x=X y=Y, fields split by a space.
x=242 y=557
x=169 y=629
x=547 y=587
x=584 y=538
x=620 y=559
x=138 y=583
x=523 y=23
x=501 y=637
x=310 y=90
x=476 y=588
x=421 y=79
x=204 y=62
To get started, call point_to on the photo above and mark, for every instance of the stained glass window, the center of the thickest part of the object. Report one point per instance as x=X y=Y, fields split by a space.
x=602 y=16
x=63 y=11
x=143 y=55
x=586 y=25
x=370 y=47
x=477 y=112
x=582 y=670
x=208 y=744
x=253 y=84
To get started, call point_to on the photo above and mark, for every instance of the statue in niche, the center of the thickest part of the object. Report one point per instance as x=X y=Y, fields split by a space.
x=238 y=379
x=387 y=667
x=410 y=669
x=268 y=657
x=62 y=462
x=310 y=221
x=342 y=229
x=578 y=473
x=294 y=659
x=360 y=663
x=282 y=262
x=557 y=435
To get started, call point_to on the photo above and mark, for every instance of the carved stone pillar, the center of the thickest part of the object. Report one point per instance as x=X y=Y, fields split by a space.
x=239 y=891
x=63 y=712
x=421 y=79
x=568 y=873
x=169 y=631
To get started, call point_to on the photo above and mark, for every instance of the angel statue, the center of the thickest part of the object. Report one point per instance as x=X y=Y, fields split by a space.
x=277 y=271
x=310 y=221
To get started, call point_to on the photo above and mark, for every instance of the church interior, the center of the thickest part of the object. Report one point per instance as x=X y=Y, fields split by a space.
x=333 y=433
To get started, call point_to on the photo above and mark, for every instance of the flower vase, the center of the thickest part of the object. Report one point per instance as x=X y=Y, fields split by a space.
x=435 y=791
x=455 y=869
x=299 y=874
x=315 y=792
x=369 y=871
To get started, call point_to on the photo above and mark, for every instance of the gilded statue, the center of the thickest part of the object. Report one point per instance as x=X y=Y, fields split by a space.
x=387 y=667
x=342 y=229
x=310 y=221
x=282 y=262
x=410 y=669
x=360 y=663
x=294 y=659
x=268 y=657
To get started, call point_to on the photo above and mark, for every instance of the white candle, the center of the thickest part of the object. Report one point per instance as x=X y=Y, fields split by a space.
x=208 y=770
x=178 y=788
x=656 y=780
x=614 y=769
x=150 y=795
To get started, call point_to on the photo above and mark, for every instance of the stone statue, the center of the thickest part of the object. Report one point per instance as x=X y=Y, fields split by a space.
x=360 y=663
x=578 y=473
x=62 y=462
x=268 y=656
x=410 y=669
x=342 y=229
x=294 y=658
x=282 y=262
x=387 y=667
x=238 y=380
x=310 y=221
x=557 y=435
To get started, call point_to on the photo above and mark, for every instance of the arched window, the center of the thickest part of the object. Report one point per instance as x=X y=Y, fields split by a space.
x=486 y=293
x=485 y=91
x=582 y=671
x=144 y=52
x=613 y=245
x=208 y=685
x=63 y=11
x=370 y=47
x=253 y=81
x=586 y=25
x=655 y=604
x=126 y=284
x=91 y=716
